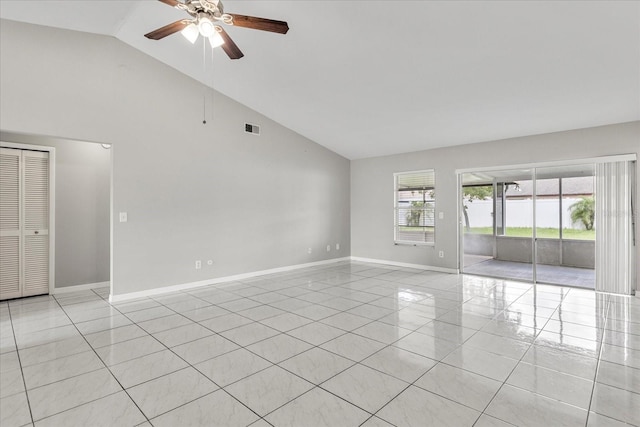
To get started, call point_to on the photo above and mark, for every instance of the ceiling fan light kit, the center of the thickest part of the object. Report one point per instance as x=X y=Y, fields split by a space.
x=191 y=32
x=205 y=14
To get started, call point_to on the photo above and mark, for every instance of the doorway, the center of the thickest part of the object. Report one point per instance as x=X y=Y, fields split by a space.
x=530 y=224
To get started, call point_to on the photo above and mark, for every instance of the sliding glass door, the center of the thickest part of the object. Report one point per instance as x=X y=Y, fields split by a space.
x=565 y=225
x=498 y=223
x=534 y=225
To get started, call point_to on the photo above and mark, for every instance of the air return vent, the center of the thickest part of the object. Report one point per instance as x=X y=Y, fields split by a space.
x=254 y=129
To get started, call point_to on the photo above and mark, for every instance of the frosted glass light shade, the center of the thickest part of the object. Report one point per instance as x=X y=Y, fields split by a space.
x=216 y=40
x=190 y=33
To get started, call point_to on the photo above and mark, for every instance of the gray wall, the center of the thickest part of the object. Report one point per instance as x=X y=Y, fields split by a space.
x=191 y=191
x=372 y=184
x=83 y=180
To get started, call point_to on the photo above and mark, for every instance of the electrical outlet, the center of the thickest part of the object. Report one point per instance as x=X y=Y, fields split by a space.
x=210 y=262
x=337 y=246
x=440 y=215
x=198 y=265
x=309 y=251
x=441 y=254
x=328 y=248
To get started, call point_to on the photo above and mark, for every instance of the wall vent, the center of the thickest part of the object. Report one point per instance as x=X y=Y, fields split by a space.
x=254 y=129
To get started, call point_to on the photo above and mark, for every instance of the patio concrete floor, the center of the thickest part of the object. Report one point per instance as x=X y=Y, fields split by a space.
x=559 y=275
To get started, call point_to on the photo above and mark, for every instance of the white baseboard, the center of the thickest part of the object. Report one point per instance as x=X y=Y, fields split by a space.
x=75 y=288
x=404 y=264
x=191 y=285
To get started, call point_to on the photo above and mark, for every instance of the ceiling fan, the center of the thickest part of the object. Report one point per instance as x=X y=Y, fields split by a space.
x=205 y=15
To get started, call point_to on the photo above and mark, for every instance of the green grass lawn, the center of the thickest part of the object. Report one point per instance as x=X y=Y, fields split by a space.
x=543 y=233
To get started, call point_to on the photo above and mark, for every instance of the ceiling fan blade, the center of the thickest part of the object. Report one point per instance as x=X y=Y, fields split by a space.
x=229 y=46
x=172 y=3
x=260 y=23
x=167 y=30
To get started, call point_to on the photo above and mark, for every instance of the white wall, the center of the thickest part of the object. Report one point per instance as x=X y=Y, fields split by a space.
x=372 y=184
x=182 y=183
x=82 y=190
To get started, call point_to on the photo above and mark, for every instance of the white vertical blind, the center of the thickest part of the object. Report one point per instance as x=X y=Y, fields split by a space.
x=615 y=271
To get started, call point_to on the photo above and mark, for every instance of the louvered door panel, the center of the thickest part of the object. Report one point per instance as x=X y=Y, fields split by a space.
x=9 y=189
x=10 y=278
x=36 y=223
x=10 y=267
x=36 y=191
x=36 y=265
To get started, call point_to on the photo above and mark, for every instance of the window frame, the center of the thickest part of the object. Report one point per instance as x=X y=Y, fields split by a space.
x=396 y=208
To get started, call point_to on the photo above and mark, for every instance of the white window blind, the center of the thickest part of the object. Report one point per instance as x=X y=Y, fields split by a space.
x=415 y=207
x=615 y=245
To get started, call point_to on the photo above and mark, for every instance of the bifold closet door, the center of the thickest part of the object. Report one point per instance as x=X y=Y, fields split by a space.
x=24 y=223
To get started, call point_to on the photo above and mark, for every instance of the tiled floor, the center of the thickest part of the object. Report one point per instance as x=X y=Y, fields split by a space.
x=347 y=344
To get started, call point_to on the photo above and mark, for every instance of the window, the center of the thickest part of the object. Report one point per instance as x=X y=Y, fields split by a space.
x=415 y=207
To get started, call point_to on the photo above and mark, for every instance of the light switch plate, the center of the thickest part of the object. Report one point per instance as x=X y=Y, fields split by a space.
x=123 y=217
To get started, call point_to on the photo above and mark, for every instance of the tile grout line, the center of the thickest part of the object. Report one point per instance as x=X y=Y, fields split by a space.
x=24 y=383
x=108 y=369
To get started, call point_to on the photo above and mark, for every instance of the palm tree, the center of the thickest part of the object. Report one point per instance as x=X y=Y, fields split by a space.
x=584 y=211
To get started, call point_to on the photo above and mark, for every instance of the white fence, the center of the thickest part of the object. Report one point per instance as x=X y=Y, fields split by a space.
x=519 y=213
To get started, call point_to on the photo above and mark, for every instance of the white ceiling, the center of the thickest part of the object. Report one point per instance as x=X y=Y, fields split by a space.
x=370 y=78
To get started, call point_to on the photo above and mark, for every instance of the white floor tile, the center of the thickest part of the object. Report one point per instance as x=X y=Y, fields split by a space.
x=427 y=346
x=233 y=366
x=61 y=368
x=467 y=388
x=66 y=394
x=205 y=348
x=353 y=346
x=561 y=361
x=163 y=394
x=128 y=350
x=14 y=410
x=317 y=408
x=316 y=333
x=114 y=336
x=616 y=403
x=249 y=334
x=364 y=387
x=269 y=389
x=526 y=409
x=114 y=410
x=398 y=363
x=416 y=407
x=214 y=409
x=481 y=362
x=553 y=384
x=624 y=377
x=182 y=334
x=279 y=348
x=145 y=368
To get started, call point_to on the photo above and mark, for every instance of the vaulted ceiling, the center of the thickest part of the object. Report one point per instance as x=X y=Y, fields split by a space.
x=370 y=78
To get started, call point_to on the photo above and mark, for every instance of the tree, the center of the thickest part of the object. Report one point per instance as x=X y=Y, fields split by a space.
x=584 y=211
x=413 y=215
x=471 y=193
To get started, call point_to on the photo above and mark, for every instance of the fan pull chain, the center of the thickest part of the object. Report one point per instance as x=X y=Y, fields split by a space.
x=204 y=70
